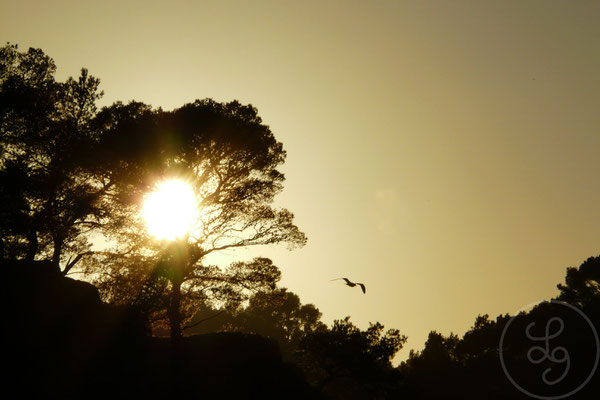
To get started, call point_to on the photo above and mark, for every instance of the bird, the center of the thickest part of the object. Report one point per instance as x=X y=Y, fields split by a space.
x=352 y=284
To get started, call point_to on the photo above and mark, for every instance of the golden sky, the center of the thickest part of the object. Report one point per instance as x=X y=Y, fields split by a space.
x=445 y=153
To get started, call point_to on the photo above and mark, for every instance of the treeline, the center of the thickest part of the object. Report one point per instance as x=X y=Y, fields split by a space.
x=343 y=361
x=62 y=340
x=497 y=355
x=70 y=172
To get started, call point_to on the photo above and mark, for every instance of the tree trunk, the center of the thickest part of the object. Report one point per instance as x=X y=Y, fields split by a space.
x=174 y=313
x=57 y=249
x=33 y=245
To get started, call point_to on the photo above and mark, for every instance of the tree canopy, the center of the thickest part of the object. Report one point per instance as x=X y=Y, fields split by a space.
x=230 y=159
x=469 y=366
x=69 y=171
x=347 y=362
x=582 y=285
x=50 y=185
x=277 y=314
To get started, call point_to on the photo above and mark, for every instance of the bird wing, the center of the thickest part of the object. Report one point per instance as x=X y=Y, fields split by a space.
x=363 y=287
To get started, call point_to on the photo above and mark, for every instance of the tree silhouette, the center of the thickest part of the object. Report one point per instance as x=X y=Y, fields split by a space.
x=52 y=190
x=346 y=362
x=281 y=316
x=276 y=314
x=230 y=158
x=582 y=285
x=470 y=367
x=68 y=171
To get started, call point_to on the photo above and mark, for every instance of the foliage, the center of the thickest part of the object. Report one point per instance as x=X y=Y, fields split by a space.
x=280 y=315
x=347 y=362
x=51 y=188
x=132 y=280
x=582 y=285
x=276 y=314
x=342 y=361
x=469 y=367
x=230 y=158
x=69 y=171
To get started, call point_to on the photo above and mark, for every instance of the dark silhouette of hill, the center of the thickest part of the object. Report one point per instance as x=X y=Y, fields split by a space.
x=62 y=340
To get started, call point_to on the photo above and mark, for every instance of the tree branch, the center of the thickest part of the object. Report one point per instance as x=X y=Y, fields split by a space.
x=203 y=319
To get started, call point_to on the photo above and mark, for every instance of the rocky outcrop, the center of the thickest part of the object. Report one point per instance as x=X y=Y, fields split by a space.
x=62 y=340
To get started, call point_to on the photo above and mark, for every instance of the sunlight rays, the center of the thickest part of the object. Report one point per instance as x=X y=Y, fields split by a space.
x=171 y=211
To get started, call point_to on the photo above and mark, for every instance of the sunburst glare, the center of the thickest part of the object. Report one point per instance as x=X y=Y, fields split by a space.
x=171 y=210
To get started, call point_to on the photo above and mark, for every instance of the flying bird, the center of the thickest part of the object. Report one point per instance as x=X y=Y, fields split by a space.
x=352 y=284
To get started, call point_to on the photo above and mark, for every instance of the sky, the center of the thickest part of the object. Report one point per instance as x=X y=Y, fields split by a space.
x=445 y=153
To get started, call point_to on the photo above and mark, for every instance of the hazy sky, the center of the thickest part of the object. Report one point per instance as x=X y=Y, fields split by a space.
x=445 y=153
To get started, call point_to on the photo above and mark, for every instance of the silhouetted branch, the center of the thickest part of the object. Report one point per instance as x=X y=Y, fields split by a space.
x=71 y=264
x=203 y=319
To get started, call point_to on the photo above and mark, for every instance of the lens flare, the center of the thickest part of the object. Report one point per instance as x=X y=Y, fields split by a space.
x=171 y=211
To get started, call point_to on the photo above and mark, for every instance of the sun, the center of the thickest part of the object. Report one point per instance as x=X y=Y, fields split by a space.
x=171 y=210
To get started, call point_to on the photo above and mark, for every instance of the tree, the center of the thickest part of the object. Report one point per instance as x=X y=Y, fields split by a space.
x=68 y=171
x=470 y=367
x=51 y=189
x=281 y=316
x=349 y=363
x=582 y=285
x=277 y=314
x=230 y=158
